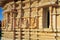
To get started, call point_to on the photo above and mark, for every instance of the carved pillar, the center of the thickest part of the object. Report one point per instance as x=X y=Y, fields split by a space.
x=6 y=24
x=50 y=26
x=54 y=19
x=18 y=19
x=14 y=21
x=40 y=18
x=9 y=7
x=14 y=11
x=11 y=20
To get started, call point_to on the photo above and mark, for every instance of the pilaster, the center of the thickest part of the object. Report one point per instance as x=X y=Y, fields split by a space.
x=54 y=19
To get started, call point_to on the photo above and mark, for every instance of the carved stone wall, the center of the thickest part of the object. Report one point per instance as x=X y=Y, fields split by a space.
x=23 y=20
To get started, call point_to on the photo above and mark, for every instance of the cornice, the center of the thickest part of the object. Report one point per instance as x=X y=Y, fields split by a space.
x=3 y=2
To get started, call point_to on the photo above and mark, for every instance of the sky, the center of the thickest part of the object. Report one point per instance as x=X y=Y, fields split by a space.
x=1 y=16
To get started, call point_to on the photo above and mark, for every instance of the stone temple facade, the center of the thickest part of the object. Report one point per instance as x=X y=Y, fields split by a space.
x=31 y=19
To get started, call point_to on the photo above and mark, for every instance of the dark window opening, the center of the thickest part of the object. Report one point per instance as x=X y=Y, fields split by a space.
x=46 y=18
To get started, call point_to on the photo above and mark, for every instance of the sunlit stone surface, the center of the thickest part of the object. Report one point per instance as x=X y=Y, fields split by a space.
x=31 y=20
